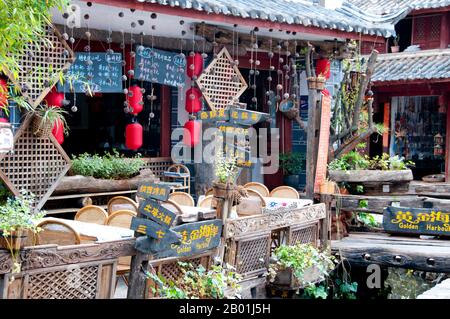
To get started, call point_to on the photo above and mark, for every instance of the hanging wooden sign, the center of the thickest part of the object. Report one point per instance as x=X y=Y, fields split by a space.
x=247 y=117
x=154 y=190
x=233 y=129
x=420 y=221
x=157 y=213
x=214 y=116
x=152 y=229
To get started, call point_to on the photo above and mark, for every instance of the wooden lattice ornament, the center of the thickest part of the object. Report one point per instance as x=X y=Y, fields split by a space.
x=221 y=82
x=41 y=65
x=35 y=165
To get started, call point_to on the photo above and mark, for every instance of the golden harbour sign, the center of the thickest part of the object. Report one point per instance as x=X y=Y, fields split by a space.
x=421 y=221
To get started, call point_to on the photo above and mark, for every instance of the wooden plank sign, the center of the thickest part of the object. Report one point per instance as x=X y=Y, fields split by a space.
x=154 y=230
x=157 y=213
x=420 y=221
x=247 y=117
x=154 y=190
x=214 y=116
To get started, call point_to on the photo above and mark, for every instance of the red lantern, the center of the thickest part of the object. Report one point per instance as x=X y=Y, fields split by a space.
x=3 y=93
x=54 y=98
x=193 y=100
x=323 y=68
x=135 y=100
x=3 y=120
x=194 y=65
x=58 y=131
x=192 y=133
x=326 y=92
x=133 y=136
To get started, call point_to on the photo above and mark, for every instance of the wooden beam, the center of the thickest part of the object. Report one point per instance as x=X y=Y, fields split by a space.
x=386 y=122
x=166 y=110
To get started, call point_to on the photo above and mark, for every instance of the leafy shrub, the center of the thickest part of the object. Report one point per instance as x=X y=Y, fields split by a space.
x=108 y=166
x=291 y=163
x=355 y=161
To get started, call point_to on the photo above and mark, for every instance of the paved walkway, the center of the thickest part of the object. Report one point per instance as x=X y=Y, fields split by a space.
x=440 y=291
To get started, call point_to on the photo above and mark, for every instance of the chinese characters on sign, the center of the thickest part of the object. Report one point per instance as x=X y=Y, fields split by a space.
x=154 y=190
x=213 y=116
x=151 y=209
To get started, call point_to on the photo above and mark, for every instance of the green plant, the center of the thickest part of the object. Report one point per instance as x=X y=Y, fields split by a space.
x=355 y=161
x=313 y=291
x=225 y=168
x=17 y=215
x=198 y=283
x=344 y=289
x=291 y=163
x=51 y=115
x=109 y=166
x=299 y=259
x=367 y=219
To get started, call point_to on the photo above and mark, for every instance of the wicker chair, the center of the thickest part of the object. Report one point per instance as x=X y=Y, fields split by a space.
x=261 y=188
x=209 y=192
x=57 y=232
x=121 y=203
x=206 y=202
x=182 y=198
x=252 y=205
x=185 y=178
x=284 y=192
x=92 y=214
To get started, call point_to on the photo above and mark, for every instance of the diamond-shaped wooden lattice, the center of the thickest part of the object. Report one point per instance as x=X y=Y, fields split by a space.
x=36 y=164
x=221 y=82
x=41 y=64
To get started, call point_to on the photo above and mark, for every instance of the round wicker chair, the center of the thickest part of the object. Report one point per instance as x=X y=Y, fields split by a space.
x=182 y=198
x=261 y=188
x=284 y=192
x=120 y=203
x=92 y=214
x=57 y=232
x=121 y=218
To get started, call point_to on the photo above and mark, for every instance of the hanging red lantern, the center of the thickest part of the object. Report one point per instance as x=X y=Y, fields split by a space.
x=323 y=68
x=193 y=100
x=134 y=98
x=54 y=98
x=3 y=120
x=325 y=92
x=58 y=131
x=3 y=93
x=133 y=136
x=192 y=133
x=194 y=65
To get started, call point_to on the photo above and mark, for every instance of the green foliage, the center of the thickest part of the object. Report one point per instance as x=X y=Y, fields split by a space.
x=291 y=163
x=344 y=289
x=315 y=292
x=225 y=168
x=367 y=219
x=356 y=161
x=51 y=115
x=351 y=161
x=108 y=166
x=300 y=258
x=198 y=283
x=360 y=189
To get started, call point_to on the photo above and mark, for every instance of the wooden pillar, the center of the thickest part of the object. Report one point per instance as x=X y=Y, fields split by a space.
x=446 y=100
x=166 y=109
x=386 y=123
x=312 y=141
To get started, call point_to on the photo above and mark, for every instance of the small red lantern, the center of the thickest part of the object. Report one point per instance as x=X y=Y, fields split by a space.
x=54 y=98
x=192 y=133
x=194 y=65
x=193 y=100
x=323 y=68
x=325 y=92
x=134 y=99
x=3 y=93
x=133 y=136
x=58 y=131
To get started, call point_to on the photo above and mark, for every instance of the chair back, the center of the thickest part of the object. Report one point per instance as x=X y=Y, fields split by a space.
x=209 y=192
x=251 y=205
x=92 y=214
x=121 y=203
x=182 y=198
x=57 y=232
x=285 y=192
x=206 y=202
x=121 y=218
x=179 y=168
x=172 y=206
x=260 y=188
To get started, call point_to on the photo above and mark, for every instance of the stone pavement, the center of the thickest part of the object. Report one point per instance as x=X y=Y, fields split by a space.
x=440 y=291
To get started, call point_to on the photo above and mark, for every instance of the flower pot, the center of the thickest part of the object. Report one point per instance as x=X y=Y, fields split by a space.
x=286 y=278
x=395 y=49
x=320 y=84
x=16 y=240
x=292 y=180
x=327 y=187
x=311 y=83
x=41 y=129
x=221 y=190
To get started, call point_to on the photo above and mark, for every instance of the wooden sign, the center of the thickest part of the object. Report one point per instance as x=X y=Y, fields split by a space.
x=214 y=116
x=153 y=230
x=233 y=129
x=158 y=66
x=159 y=214
x=247 y=117
x=104 y=74
x=324 y=140
x=154 y=190
x=420 y=221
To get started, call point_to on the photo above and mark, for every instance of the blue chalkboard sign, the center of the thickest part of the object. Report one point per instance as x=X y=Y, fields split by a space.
x=104 y=75
x=158 y=66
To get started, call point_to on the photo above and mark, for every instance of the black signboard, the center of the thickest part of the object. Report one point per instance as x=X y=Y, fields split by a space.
x=159 y=214
x=420 y=221
x=247 y=117
x=214 y=116
x=158 y=66
x=154 y=190
x=103 y=75
x=153 y=230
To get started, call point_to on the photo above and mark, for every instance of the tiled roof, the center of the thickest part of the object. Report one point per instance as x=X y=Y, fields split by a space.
x=302 y=12
x=382 y=7
x=420 y=65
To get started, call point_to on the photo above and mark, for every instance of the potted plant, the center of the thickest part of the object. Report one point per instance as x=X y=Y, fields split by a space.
x=226 y=171
x=17 y=221
x=291 y=163
x=299 y=266
x=198 y=283
x=45 y=117
x=395 y=48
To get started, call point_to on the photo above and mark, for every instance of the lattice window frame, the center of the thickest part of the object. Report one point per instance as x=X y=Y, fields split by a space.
x=304 y=234
x=43 y=57
x=19 y=169
x=250 y=261
x=217 y=88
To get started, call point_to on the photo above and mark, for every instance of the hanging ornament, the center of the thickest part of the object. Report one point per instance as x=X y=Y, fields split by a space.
x=133 y=136
x=195 y=64
x=134 y=99
x=58 y=131
x=323 y=68
x=193 y=100
x=3 y=93
x=192 y=133
x=54 y=98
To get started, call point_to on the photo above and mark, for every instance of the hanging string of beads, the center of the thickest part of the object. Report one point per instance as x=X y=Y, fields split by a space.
x=279 y=75
x=269 y=92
